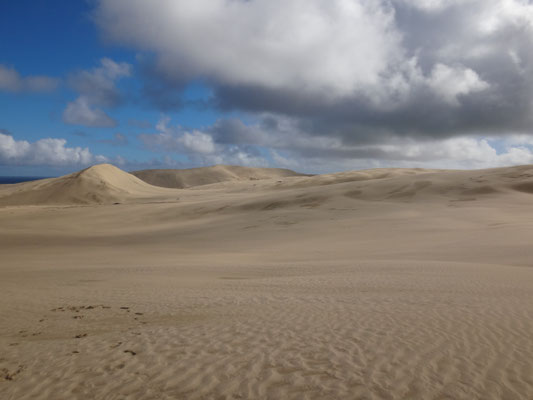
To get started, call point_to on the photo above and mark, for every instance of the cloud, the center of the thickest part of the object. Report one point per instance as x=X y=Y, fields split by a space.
x=44 y=152
x=177 y=140
x=291 y=147
x=80 y=112
x=199 y=146
x=98 y=85
x=96 y=89
x=454 y=153
x=356 y=70
x=279 y=143
x=451 y=83
x=268 y=43
x=11 y=81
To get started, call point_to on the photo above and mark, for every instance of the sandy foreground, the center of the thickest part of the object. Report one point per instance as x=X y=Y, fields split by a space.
x=383 y=284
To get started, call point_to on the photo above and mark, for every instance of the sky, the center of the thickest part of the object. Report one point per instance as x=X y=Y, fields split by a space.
x=312 y=85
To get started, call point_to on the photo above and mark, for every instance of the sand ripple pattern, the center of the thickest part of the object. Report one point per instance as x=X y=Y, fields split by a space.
x=364 y=331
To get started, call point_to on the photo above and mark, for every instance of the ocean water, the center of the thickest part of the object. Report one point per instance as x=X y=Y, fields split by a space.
x=19 y=179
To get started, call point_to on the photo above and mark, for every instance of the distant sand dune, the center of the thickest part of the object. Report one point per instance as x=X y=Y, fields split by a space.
x=104 y=184
x=184 y=178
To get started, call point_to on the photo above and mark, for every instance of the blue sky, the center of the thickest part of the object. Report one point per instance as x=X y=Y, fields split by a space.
x=57 y=39
x=294 y=84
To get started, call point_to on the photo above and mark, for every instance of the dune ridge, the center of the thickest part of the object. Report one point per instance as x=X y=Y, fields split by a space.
x=105 y=184
x=185 y=178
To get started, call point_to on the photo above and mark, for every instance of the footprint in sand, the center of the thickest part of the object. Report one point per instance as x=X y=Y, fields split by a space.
x=8 y=375
x=81 y=335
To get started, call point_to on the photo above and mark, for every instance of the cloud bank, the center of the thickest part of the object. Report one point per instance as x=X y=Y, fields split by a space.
x=275 y=142
x=353 y=77
x=44 y=152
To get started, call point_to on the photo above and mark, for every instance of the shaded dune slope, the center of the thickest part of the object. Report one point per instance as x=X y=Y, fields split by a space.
x=185 y=178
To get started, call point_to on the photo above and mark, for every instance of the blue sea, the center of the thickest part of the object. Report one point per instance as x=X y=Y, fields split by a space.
x=19 y=179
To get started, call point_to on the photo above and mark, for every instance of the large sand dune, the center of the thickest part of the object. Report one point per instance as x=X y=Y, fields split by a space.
x=378 y=284
x=185 y=178
x=100 y=184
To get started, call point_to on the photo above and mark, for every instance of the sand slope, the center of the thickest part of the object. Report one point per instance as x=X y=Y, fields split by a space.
x=379 y=284
x=100 y=184
x=184 y=178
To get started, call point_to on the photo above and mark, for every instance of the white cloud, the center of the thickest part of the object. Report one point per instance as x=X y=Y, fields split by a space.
x=80 y=112
x=44 y=152
x=450 y=83
x=337 y=46
x=497 y=14
x=197 y=142
x=456 y=153
x=198 y=146
x=175 y=139
x=97 y=89
x=11 y=81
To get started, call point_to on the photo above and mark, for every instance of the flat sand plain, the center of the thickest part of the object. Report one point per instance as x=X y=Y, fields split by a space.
x=380 y=284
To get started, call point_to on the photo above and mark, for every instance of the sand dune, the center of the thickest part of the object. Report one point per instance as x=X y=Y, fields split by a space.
x=100 y=184
x=185 y=178
x=378 y=284
x=105 y=183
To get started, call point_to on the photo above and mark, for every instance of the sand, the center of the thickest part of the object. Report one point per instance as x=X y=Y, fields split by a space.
x=185 y=178
x=379 y=284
